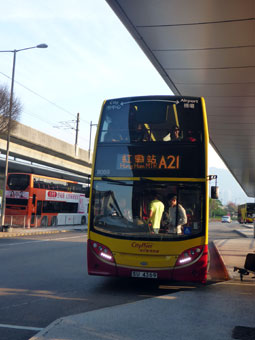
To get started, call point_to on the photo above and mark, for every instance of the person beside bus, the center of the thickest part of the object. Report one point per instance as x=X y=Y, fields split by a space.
x=156 y=209
x=175 y=216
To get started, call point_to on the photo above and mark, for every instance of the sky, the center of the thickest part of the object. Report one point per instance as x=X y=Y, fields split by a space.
x=90 y=57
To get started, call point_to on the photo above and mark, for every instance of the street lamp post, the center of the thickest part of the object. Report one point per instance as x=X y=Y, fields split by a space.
x=9 y=125
x=90 y=132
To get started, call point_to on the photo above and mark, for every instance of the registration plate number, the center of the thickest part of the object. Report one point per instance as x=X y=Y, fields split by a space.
x=147 y=275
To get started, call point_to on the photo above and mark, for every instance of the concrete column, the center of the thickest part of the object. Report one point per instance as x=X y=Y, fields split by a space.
x=253 y=226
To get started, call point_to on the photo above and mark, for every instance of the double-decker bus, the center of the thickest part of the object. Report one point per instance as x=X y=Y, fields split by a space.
x=34 y=200
x=139 y=152
x=246 y=213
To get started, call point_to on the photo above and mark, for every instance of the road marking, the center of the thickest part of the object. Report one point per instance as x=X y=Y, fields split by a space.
x=38 y=241
x=21 y=327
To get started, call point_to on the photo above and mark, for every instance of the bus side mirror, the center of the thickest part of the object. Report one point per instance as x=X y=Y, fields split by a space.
x=34 y=197
x=215 y=192
x=87 y=189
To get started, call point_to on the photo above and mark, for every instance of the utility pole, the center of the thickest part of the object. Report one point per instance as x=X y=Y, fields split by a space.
x=68 y=125
x=76 y=133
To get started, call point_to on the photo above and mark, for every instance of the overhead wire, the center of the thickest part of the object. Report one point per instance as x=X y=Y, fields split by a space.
x=47 y=100
x=50 y=102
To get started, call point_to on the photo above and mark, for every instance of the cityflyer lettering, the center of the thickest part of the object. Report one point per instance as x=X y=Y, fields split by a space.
x=144 y=247
x=140 y=161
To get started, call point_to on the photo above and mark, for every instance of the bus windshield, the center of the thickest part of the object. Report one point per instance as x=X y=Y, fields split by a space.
x=145 y=120
x=250 y=208
x=121 y=208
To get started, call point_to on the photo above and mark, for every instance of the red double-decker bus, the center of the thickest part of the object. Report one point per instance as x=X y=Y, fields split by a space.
x=35 y=200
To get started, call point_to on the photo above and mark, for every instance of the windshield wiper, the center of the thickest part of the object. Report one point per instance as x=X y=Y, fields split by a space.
x=144 y=179
x=116 y=181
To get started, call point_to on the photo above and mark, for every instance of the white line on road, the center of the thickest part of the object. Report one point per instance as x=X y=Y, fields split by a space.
x=38 y=241
x=21 y=327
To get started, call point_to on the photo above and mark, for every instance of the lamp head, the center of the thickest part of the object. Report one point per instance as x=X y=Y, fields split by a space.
x=42 y=46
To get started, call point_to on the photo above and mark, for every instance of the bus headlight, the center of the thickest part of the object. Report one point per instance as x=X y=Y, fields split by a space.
x=189 y=255
x=102 y=251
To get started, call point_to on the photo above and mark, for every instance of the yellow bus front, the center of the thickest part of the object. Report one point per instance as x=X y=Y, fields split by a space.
x=150 y=158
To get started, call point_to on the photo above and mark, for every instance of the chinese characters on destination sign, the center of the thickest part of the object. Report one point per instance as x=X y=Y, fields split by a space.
x=152 y=161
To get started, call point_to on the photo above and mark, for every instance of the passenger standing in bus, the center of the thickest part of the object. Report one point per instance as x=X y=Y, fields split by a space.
x=141 y=134
x=173 y=135
x=175 y=216
x=112 y=134
x=156 y=209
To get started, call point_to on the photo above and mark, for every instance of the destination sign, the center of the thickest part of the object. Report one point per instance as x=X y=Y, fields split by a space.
x=155 y=161
x=148 y=161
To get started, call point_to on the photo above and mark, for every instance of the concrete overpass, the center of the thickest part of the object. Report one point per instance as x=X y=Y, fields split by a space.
x=33 y=149
x=205 y=48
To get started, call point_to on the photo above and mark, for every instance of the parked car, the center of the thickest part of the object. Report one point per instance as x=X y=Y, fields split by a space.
x=226 y=219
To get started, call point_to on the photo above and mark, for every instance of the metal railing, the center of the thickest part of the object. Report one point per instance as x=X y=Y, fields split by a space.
x=25 y=221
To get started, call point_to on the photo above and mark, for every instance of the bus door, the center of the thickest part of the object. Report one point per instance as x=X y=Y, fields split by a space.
x=39 y=210
x=32 y=210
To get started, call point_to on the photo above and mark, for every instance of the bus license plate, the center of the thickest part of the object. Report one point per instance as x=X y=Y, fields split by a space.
x=147 y=275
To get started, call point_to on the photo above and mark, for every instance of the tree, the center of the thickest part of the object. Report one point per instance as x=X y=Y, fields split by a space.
x=5 y=110
x=216 y=208
x=231 y=208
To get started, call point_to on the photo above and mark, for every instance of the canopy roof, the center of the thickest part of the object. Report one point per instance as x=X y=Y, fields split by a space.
x=205 y=48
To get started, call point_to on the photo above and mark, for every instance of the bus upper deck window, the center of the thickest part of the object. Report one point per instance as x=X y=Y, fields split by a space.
x=112 y=134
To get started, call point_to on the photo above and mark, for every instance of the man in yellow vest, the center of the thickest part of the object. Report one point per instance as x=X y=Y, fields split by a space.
x=156 y=209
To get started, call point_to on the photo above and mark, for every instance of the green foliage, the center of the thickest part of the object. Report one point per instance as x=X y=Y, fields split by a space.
x=216 y=209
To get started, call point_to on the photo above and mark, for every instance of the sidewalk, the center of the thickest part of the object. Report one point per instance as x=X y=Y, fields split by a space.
x=233 y=251
x=246 y=230
x=177 y=315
